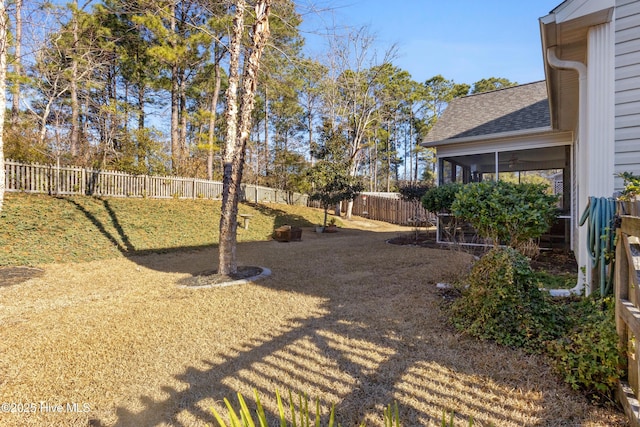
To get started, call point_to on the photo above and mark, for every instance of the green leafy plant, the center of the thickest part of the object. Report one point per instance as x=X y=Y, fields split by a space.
x=392 y=416
x=506 y=213
x=588 y=356
x=547 y=280
x=503 y=303
x=414 y=194
x=330 y=176
x=439 y=199
x=301 y=416
x=450 y=423
x=631 y=186
x=243 y=417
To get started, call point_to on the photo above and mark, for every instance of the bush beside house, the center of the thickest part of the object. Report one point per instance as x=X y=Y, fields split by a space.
x=502 y=300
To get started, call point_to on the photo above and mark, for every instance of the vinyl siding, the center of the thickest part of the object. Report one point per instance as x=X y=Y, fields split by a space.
x=627 y=88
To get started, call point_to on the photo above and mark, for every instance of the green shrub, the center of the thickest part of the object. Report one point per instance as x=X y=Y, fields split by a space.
x=548 y=281
x=440 y=199
x=588 y=356
x=503 y=303
x=506 y=213
x=413 y=192
x=631 y=186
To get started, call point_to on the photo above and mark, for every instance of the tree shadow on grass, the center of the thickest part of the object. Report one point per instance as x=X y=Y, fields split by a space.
x=360 y=356
x=374 y=351
x=281 y=217
x=334 y=336
x=14 y=275
x=120 y=239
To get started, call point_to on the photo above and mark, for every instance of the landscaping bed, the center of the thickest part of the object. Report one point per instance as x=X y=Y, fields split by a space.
x=554 y=261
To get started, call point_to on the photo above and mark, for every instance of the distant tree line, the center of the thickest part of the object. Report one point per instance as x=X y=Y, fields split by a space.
x=139 y=86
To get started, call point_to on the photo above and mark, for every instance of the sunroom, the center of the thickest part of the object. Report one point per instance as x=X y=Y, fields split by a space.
x=505 y=135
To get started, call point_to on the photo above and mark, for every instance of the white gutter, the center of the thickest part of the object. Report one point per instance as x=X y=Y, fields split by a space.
x=563 y=64
x=584 y=274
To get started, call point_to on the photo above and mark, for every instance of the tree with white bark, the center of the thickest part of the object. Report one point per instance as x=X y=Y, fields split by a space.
x=240 y=104
x=4 y=23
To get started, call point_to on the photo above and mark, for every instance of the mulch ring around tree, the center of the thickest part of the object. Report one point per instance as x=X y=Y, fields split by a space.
x=211 y=278
x=14 y=275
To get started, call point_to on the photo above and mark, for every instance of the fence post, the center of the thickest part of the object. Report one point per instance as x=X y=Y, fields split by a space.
x=57 y=177
x=83 y=182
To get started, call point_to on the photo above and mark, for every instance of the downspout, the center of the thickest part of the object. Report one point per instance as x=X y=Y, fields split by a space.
x=584 y=263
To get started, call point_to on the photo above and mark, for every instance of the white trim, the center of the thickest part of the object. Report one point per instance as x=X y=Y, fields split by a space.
x=492 y=136
x=577 y=9
x=506 y=144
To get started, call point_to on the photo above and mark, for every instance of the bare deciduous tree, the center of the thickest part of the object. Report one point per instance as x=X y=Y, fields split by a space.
x=17 y=62
x=354 y=67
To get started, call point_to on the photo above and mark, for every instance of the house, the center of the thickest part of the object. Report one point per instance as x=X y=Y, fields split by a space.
x=591 y=98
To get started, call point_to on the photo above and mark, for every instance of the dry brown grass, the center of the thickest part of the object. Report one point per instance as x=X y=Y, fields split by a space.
x=346 y=318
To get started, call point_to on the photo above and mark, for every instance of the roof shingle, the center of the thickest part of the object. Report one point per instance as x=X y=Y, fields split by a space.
x=504 y=110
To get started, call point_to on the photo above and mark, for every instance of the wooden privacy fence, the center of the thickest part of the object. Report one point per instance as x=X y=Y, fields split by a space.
x=627 y=294
x=391 y=208
x=72 y=180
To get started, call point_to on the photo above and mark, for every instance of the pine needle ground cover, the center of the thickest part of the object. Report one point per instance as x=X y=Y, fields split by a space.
x=346 y=318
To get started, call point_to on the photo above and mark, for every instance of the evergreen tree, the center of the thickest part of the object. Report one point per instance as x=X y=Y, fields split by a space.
x=492 y=83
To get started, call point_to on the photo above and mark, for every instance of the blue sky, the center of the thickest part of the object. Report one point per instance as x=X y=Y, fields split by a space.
x=464 y=40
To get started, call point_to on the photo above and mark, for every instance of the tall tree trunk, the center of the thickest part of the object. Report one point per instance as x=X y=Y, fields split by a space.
x=3 y=94
x=415 y=166
x=353 y=172
x=238 y=124
x=310 y=129
x=389 y=158
x=375 y=163
x=175 y=99
x=184 y=152
x=212 y=118
x=266 y=132
x=17 y=64
x=175 y=125
x=141 y=104
x=141 y=93
x=408 y=154
x=370 y=171
x=73 y=88
x=227 y=262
